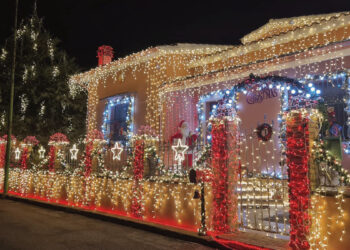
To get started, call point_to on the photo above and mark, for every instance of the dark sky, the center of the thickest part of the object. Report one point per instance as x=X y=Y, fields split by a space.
x=130 y=26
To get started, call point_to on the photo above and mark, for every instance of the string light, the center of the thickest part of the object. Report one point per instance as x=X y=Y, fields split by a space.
x=74 y=152
x=17 y=153
x=41 y=152
x=117 y=150
x=198 y=74
x=179 y=150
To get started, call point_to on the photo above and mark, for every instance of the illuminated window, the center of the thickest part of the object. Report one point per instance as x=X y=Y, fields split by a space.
x=118 y=118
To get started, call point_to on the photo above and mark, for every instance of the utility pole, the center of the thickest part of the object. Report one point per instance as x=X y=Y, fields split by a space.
x=10 y=113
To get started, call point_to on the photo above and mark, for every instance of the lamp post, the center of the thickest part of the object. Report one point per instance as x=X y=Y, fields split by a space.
x=10 y=113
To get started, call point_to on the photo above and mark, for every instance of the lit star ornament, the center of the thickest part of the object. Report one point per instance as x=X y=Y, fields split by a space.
x=74 y=152
x=41 y=152
x=180 y=150
x=17 y=153
x=117 y=150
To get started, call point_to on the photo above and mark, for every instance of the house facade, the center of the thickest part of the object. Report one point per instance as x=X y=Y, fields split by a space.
x=269 y=119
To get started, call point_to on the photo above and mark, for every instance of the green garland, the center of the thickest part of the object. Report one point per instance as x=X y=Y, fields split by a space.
x=322 y=155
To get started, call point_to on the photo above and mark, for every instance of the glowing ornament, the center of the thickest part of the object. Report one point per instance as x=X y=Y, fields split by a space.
x=42 y=152
x=17 y=153
x=74 y=152
x=117 y=150
x=180 y=150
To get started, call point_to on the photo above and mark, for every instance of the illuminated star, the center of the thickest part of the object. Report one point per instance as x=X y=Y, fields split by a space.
x=117 y=150
x=17 y=153
x=74 y=152
x=41 y=152
x=180 y=150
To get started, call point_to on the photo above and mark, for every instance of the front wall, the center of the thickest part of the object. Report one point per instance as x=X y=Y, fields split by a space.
x=134 y=84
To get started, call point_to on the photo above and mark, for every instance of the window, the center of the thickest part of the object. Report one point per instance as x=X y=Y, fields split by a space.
x=118 y=118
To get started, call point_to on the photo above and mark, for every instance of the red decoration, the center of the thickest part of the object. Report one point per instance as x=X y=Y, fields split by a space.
x=104 y=55
x=13 y=138
x=88 y=160
x=2 y=154
x=264 y=132
x=187 y=138
x=94 y=135
x=52 y=159
x=136 y=205
x=24 y=157
x=299 y=188
x=58 y=138
x=31 y=140
x=220 y=174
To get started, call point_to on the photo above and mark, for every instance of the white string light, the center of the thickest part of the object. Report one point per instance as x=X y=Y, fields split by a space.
x=116 y=151
x=74 y=152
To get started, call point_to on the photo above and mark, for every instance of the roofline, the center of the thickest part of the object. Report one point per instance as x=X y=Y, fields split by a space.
x=286 y=65
x=326 y=17
x=266 y=43
x=149 y=53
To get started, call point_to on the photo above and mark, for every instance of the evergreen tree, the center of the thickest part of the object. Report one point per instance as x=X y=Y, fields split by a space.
x=44 y=102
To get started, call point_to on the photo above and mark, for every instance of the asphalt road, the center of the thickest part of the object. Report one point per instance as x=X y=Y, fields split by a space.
x=27 y=226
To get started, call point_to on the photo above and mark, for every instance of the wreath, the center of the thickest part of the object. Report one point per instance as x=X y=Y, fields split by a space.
x=264 y=132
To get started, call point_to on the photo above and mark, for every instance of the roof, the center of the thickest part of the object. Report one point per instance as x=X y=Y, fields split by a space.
x=278 y=26
x=269 y=37
x=137 y=58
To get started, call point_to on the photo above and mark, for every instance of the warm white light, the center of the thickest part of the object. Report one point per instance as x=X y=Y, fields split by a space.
x=17 y=153
x=180 y=150
x=74 y=152
x=116 y=150
x=41 y=152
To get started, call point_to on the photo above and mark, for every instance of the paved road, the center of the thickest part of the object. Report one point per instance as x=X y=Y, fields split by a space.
x=27 y=226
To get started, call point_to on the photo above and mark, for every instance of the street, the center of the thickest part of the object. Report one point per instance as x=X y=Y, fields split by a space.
x=27 y=226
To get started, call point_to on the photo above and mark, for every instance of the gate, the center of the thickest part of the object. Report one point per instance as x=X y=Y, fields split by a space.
x=263 y=181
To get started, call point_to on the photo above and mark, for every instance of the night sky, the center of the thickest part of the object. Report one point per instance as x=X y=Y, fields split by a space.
x=130 y=26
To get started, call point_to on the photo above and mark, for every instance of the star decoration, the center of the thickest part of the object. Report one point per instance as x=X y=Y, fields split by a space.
x=180 y=150
x=41 y=152
x=74 y=152
x=17 y=153
x=117 y=150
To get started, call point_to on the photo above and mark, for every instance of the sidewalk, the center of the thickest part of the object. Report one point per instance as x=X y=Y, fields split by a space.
x=239 y=240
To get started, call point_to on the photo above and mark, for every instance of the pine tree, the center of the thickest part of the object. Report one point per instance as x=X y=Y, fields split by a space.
x=44 y=101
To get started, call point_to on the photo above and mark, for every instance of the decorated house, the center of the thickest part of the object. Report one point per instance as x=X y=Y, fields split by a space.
x=289 y=70
x=253 y=137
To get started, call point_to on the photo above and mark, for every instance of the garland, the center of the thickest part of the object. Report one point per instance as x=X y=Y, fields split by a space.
x=299 y=186
x=136 y=205
x=220 y=173
x=52 y=159
x=2 y=154
x=24 y=158
x=323 y=155
x=88 y=159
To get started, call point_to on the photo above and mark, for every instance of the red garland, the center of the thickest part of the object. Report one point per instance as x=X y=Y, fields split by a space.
x=52 y=158
x=299 y=189
x=88 y=160
x=220 y=173
x=24 y=157
x=136 y=205
x=138 y=161
x=2 y=155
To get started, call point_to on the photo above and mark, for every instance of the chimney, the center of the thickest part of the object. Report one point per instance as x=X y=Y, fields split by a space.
x=104 y=55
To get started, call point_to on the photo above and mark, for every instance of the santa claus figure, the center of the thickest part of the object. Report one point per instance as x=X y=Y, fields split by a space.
x=187 y=138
